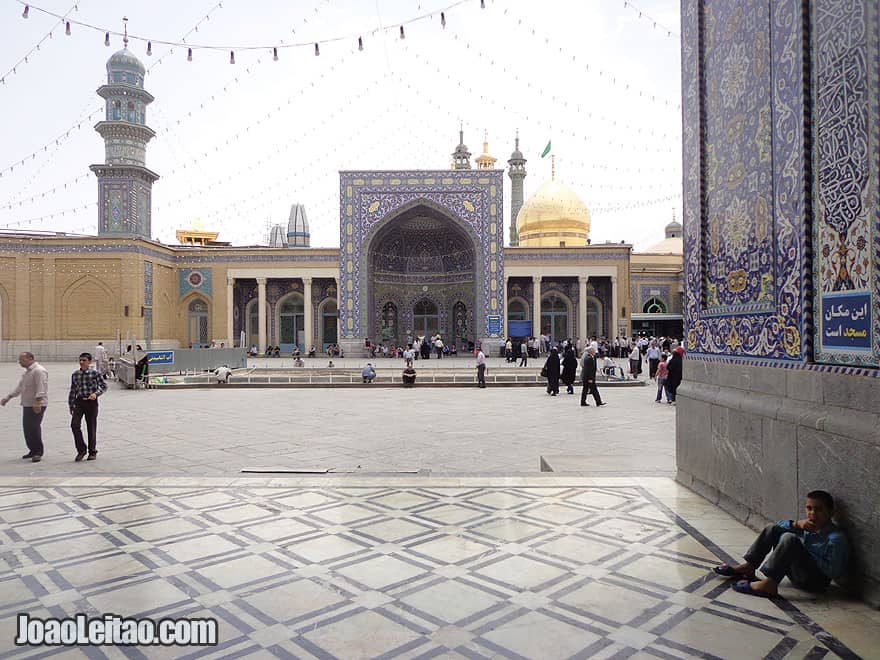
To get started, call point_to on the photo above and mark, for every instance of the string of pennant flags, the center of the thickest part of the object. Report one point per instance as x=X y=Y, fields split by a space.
x=274 y=48
x=545 y=40
x=543 y=93
x=24 y=59
x=644 y=16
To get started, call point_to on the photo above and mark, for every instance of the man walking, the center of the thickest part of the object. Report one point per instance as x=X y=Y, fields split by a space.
x=481 y=367
x=86 y=385
x=588 y=376
x=34 y=390
x=101 y=359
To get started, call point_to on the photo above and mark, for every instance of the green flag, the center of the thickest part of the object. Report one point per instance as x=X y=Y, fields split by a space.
x=546 y=149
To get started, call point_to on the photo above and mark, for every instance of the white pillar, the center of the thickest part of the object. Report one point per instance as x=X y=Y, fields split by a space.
x=582 y=308
x=615 y=310
x=261 y=309
x=230 y=301
x=309 y=316
x=536 y=305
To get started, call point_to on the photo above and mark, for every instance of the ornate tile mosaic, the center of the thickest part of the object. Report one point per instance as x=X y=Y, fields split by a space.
x=370 y=200
x=846 y=303
x=194 y=280
x=476 y=572
x=744 y=201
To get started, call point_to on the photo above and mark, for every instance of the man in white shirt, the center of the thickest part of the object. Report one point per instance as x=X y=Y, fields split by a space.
x=34 y=390
x=481 y=367
x=101 y=359
x=653 y=355
x=223 y=373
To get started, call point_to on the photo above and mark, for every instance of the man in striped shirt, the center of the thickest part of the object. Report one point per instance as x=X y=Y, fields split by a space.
x=86 y=385
x=34 y=391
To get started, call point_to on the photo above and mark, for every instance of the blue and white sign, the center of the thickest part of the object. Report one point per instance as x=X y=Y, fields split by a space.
x=160 y=357
x=493 y=325
x=846 y=321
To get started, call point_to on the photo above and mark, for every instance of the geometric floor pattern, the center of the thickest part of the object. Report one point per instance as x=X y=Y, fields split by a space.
x=387 y=572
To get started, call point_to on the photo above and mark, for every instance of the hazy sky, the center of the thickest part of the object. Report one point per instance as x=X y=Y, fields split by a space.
x=237 y=144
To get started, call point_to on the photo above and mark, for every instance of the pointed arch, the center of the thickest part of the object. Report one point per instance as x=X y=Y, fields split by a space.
x=290 y=322
x=195 y=310
x=89 y=309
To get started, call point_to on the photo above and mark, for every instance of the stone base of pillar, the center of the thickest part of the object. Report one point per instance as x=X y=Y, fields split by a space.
x=491 y=345
x=353 y=348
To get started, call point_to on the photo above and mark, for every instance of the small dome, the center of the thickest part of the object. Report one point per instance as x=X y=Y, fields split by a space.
x=671 y=245
x=674 y=229
x=125 y=60
x=552 y=216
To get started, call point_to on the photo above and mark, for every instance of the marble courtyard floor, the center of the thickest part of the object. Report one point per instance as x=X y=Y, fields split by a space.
x=475 y=554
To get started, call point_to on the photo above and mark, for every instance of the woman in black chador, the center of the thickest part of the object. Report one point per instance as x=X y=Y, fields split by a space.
x=552 y=368
x=569 y=369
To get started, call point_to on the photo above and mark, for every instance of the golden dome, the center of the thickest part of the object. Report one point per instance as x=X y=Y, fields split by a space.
x=553 y=216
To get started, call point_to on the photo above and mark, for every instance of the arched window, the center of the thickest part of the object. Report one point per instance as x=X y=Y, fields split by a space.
x=654 y=306
x=291 y=323
x=388 y=322
x=329 y=315
x=197 y=323
x=517 y=311
x=554 y=316
x=117 y=110
x=132 y=117
x=460 y=321
x=426 y=319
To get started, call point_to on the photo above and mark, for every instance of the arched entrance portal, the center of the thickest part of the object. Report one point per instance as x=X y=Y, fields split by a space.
x=426 y=319
x=291 y=323
x=197 y=323
x=425 y=261
x=554 y=316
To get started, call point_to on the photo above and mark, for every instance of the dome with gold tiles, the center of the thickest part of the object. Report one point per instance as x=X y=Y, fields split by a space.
x=553 y=217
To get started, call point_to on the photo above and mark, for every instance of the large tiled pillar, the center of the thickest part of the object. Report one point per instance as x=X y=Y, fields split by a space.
x=309 y=313
x=506 y=331
x=536 y=305
x=261 y=310
x=781 y=387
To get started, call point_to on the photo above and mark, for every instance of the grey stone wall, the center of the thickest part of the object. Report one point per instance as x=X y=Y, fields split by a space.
x=756 y=439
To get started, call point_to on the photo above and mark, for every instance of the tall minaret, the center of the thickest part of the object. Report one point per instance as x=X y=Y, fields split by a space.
x=516 y=172
x=461 y=157
x=124 y=182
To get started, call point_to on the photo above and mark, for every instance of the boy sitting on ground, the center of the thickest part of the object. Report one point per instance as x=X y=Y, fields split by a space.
x=811 y=552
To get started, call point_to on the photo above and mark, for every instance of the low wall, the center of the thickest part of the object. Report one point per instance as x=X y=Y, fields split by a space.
x=51 y=350
x=184 y=360
x=755 y=440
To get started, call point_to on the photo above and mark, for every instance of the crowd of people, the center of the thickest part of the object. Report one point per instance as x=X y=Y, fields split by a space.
x=420 y=346
x=333 y=350
x=663 y=355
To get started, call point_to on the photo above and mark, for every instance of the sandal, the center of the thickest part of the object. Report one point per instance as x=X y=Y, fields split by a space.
x=745 y=587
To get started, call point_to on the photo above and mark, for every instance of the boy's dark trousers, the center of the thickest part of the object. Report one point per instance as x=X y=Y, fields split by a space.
x=88 y=409
x=787 y=556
